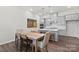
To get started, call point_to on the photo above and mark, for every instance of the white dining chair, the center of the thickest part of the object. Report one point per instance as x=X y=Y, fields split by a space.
x=41 y=45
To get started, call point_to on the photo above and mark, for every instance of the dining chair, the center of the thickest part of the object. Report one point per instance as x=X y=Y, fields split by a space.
x=41 y=45
x=17 y=40
x=24 y=42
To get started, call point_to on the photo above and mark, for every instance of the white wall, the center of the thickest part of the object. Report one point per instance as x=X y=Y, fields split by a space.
x=11 y=18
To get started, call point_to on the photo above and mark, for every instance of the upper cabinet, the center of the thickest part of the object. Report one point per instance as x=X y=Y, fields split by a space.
x=61 y=20
x=72 y=17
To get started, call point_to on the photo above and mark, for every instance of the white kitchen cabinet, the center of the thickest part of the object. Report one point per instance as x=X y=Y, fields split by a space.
x=78 y=29
x=72 y=22
x=72 y=28
x=72 y=17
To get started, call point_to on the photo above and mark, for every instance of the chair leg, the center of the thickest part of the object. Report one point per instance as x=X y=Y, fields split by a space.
x=33 y=48
x=41 y=49
x=46 y=48
x=26 y=49
x=17 y=45
x=21 y=45
x=16 y=42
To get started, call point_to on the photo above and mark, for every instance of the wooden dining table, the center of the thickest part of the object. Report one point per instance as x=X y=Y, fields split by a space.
x=34 y=36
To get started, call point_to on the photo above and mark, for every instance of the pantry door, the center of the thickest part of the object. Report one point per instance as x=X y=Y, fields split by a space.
x=72 y=28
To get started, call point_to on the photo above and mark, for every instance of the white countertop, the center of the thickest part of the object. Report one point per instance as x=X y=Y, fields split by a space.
x=56 y=27
x=48 y=29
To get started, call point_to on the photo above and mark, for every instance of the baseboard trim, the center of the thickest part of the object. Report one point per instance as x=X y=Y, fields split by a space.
x=6 y=42
x=69 y=36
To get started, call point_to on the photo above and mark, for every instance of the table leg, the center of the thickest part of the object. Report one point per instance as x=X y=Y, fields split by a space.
x=56 y=36
x=35 y=45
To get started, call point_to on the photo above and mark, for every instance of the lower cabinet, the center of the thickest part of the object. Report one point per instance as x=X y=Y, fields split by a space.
x=72 y=28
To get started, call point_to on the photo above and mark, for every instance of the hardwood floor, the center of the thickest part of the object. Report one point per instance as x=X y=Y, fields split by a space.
x=65 y=44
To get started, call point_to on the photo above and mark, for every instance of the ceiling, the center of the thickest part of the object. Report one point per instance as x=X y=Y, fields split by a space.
x=48 y=9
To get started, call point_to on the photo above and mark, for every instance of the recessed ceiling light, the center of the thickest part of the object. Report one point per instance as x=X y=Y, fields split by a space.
x=31 y=9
